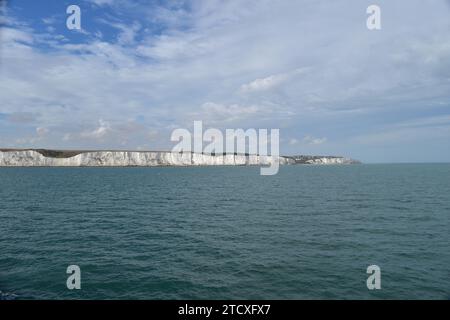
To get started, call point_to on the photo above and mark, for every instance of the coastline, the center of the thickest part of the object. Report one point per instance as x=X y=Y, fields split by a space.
x=118 y=158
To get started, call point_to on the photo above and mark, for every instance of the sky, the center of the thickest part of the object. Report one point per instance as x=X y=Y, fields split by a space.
x=137 y=70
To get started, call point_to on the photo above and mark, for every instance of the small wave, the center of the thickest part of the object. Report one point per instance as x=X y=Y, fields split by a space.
x=7 y=296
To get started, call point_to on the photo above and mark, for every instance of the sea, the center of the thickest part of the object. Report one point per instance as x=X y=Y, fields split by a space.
x=309 y=232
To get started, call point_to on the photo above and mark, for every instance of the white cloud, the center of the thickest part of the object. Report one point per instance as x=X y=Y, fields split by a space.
x=307 y=140
x=264 y=83
x=49 y=20
x=14 y=36
x=127 y=32
x=41 y=131
x=103 y=2
x=270 y=82
x=314 y=141
x=100 y=132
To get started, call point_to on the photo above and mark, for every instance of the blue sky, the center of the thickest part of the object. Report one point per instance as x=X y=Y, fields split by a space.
x=139 y=69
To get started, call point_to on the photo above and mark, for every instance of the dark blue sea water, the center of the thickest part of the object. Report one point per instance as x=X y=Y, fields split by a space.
x=309 y=232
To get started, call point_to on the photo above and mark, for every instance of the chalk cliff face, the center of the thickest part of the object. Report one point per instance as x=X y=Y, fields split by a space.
x=33 y=158
x=322 y=160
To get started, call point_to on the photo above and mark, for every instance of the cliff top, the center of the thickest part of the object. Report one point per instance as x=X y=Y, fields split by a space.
x=54 y=153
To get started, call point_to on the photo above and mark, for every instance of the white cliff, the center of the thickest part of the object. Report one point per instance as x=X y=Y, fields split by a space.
x=322 y=160
x=331 y=160
x=32 y=158
x=52 y=158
